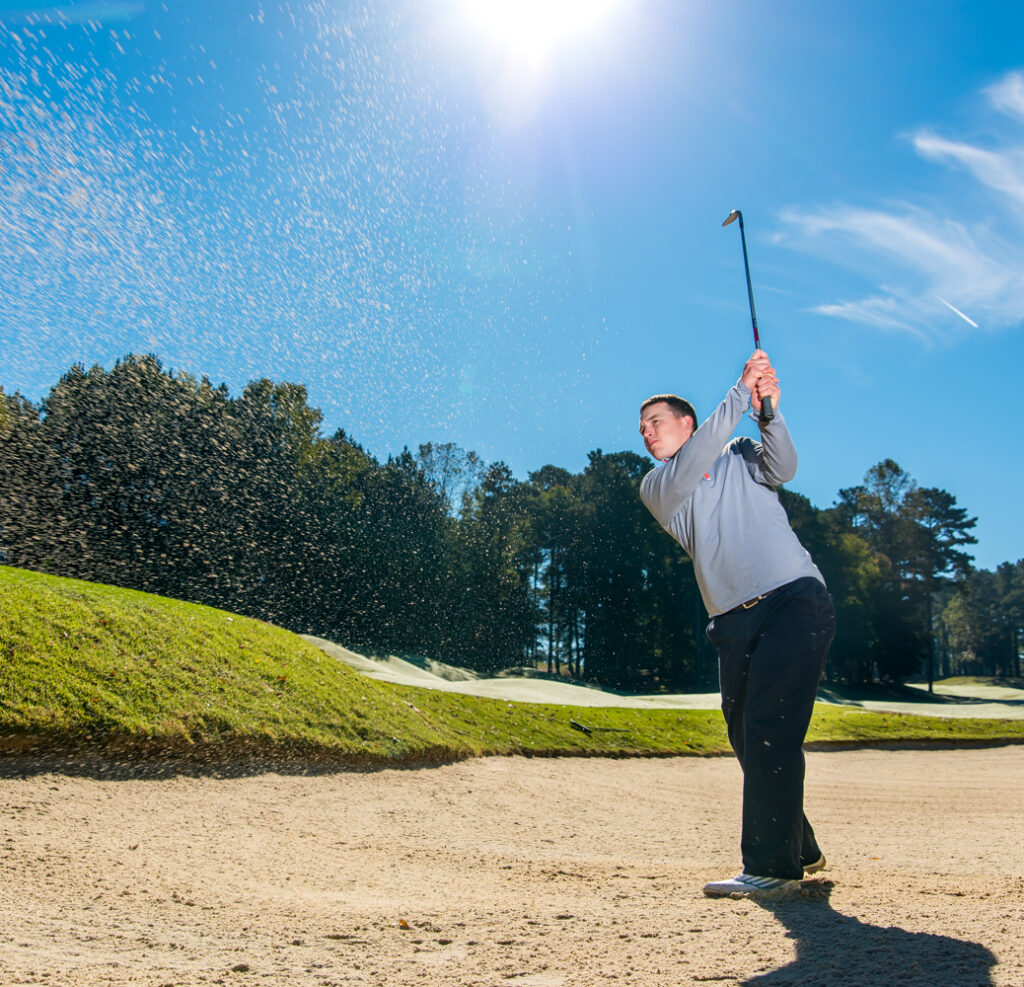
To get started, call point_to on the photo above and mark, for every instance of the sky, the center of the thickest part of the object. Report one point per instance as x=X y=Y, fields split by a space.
x=498 y=223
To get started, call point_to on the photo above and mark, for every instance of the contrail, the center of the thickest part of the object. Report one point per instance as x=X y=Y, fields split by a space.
x=958 y=312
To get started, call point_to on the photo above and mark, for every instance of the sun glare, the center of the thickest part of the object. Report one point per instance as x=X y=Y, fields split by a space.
x=520 y=42
x=532 y=29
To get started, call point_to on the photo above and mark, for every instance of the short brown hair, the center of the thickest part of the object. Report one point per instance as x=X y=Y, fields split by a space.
x=681 y=408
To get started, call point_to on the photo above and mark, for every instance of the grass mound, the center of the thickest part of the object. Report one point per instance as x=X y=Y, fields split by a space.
x=85 y=666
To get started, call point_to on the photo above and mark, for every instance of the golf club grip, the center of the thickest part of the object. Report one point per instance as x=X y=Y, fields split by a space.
x=767 y=410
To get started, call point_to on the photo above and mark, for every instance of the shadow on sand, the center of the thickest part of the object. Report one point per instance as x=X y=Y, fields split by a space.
x=147 y=766
x=836 y=949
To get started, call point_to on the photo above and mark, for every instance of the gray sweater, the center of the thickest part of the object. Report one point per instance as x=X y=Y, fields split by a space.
x=715 y=497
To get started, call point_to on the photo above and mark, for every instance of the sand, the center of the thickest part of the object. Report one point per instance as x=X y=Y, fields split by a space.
x=507 y=871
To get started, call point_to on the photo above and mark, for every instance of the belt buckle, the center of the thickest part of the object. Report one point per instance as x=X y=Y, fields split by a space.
x=754 y=602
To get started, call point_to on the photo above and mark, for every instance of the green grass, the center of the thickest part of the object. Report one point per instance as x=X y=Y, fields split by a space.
x=1011 y=683
x=85 y=666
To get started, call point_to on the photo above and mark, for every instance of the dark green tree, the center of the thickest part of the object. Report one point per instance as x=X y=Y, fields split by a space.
x=941 y=528
x=983 y=621
x=557 y=524
x=856 y=578
x=491 y=623
x=128 y=460
x=29 y=496
x=613 y=568
x=919 y=533
x=407 y=519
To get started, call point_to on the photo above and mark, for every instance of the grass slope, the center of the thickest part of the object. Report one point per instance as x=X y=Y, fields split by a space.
x=85 y=666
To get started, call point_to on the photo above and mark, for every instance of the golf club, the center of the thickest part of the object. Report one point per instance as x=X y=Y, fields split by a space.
x=767 y=411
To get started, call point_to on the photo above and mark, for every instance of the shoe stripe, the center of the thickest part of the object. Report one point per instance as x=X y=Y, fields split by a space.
x=763 y=882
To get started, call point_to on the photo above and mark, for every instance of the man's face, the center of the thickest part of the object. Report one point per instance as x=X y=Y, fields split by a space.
x=664 y=432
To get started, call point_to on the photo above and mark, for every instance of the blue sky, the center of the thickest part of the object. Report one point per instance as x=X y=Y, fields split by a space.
x=507 y=234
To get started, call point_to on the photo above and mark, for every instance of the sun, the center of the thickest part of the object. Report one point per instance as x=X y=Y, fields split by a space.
x=521 y=45
x=530 y=31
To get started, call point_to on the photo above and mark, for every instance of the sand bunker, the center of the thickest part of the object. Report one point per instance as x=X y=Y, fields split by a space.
x=509 y=871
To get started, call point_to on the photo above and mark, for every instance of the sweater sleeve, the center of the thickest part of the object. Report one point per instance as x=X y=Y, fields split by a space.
x=664 y=490
x=777 y=460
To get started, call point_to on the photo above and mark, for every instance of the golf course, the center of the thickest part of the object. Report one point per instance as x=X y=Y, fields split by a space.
x=511 y=493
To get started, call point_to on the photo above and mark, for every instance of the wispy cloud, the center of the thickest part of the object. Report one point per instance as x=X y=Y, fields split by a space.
x=1008 y=94
x=881 y=311
x=976 y=264
x=1002 y=171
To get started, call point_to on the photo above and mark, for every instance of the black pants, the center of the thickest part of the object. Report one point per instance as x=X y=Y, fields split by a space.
x=770 y=660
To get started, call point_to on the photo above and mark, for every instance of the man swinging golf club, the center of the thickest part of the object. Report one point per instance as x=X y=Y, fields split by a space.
x=772 y=619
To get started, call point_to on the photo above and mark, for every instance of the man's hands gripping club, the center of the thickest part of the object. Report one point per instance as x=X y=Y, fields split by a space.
x=759 y=376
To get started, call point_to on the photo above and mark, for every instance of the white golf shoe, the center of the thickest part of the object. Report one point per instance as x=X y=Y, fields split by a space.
x=749 y=885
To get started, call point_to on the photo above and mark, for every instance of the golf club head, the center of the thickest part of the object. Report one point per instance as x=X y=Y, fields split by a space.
x=732 y=217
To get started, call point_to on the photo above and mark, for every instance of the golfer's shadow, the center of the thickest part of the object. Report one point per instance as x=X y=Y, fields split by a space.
x=834 y=948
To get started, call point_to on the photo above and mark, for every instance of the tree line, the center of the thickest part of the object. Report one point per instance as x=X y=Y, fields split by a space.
x=158 y=481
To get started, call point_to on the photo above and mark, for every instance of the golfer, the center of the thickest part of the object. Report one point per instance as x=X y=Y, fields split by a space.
x=772 y=619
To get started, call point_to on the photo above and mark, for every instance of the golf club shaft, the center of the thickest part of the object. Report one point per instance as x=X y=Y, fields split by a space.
x=767 y=411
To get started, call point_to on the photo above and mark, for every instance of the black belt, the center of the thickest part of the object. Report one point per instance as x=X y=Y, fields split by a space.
x=750 y=603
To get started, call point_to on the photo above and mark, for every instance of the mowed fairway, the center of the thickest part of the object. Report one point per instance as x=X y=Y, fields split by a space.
x=508 y=871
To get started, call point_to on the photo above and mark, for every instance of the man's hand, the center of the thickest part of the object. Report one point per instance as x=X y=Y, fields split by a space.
x=759 y=376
